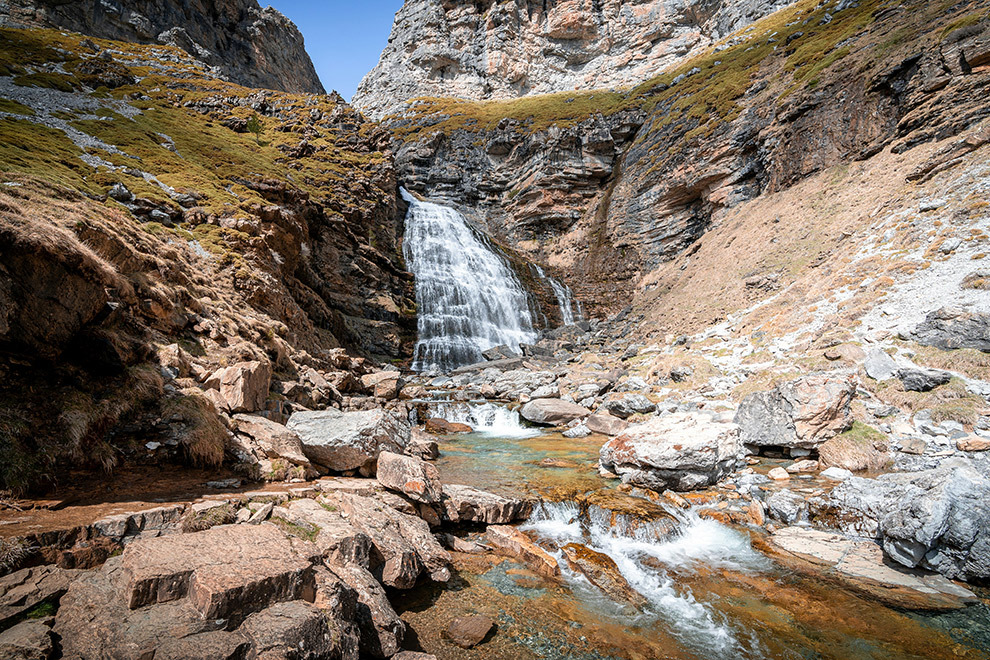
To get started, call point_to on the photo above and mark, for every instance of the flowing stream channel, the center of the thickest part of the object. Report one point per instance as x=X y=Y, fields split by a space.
x=701 y=590
x=670 y=584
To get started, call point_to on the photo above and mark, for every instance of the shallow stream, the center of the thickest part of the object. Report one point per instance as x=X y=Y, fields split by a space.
x=709 y=594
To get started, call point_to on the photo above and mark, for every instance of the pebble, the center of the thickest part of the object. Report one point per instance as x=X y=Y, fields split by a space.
x=779 y=474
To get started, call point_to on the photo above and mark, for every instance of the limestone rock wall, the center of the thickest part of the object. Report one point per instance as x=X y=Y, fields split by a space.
x=503 y=49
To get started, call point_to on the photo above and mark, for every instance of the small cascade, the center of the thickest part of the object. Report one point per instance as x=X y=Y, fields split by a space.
x=467 y=295
x=487 y=418
x=565 y=299
x=643 y=555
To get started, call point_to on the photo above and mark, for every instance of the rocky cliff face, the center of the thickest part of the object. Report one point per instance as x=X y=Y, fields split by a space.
x=503 y=49
x=249 y=45
x=608 y=187
x=180 y=225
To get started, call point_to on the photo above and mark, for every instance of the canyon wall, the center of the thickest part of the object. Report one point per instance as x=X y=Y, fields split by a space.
x=503 y=49
x=605 y=187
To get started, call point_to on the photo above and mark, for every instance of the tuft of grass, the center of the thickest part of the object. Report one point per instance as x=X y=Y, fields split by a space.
x=15 y=108
x=218 y=515
x=59 y=81
x=12 y=552
x=304 y=531
x=950 y=402
x=205 y=436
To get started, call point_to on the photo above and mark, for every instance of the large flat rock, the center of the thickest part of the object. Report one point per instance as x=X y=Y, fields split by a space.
x=684 y=451
x=553 y=412
x=860 y=565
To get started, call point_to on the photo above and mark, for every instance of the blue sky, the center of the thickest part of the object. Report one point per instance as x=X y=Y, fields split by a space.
x=343 y=37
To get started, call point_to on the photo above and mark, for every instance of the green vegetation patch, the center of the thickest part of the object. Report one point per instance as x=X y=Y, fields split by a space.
x=15 y=108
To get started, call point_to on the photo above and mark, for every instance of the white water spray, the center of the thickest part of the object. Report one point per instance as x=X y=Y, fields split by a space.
x=468 y=298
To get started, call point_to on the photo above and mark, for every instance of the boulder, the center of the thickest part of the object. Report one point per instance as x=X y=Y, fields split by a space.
x=422 y=446
x=383 y=384
x=260 y=441
x=606 y=425
x=442 y=426
x=802 y=413
x=879 y=365
x=512 y=542
x=244 y=386
x=682 y=451
x=578 y=431
x=916 y=379
x=381 y=629
x=552 y=412
x=973 y=443
x=936 y=520
x=413 y=477
x=403 y=546
x=28 y=640
x=349 y=441
x=629 y=405
x=468 y=631
x=952 y=328
x=859 y=565
x=463 y=504
x=230 y=591
x=856 y=452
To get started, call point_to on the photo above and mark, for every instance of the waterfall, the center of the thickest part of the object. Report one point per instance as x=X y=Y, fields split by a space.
x=468 y=298
x=565 y=299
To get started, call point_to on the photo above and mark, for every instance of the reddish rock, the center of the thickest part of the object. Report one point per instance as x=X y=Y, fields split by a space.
x=513 y=543
x=244 y=386
x=442 y=426
x=468 y=631
x=413 y=477
x=606 y=425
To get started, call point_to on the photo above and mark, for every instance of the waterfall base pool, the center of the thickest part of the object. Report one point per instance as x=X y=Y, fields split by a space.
x=710 y=595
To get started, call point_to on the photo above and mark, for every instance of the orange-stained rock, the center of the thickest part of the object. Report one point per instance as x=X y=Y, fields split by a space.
x=511 y=542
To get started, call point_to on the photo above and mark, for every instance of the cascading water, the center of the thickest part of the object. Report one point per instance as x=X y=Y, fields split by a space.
x=467 y=296
x=641 y=553
x=565 y=299
x=487 y=418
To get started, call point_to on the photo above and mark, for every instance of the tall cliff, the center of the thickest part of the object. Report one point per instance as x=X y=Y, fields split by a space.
x=248 y=45
x=607 y=187
x=503 y=49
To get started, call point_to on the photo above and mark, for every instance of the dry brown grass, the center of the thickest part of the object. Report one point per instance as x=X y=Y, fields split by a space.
x=205 y=436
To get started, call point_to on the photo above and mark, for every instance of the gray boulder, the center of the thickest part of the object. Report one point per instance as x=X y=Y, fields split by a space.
x=950 y=329
x=350 y=441
x=803 y=413
x=879 y=365
x=629 y=405
x=683 y=451
x=934 y=519
x=916 y=379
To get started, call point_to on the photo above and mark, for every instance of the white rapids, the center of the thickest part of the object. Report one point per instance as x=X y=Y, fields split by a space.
x=468 y=298
x=641 y=555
